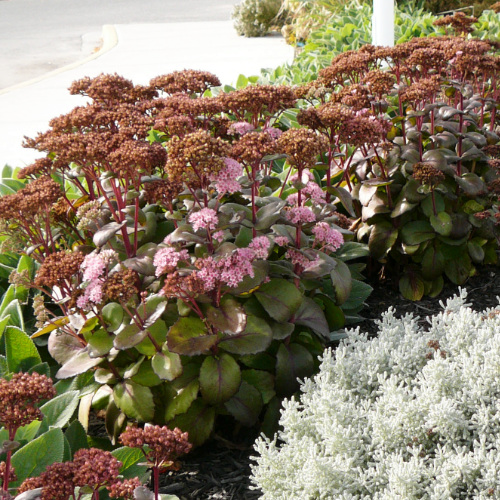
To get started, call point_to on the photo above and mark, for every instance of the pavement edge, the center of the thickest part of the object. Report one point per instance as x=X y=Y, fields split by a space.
x=109 y=41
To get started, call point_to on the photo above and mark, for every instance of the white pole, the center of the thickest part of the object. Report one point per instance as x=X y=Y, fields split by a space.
x=383 y=23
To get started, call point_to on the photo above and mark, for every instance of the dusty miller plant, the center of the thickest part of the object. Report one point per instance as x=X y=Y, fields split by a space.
x=409 y=414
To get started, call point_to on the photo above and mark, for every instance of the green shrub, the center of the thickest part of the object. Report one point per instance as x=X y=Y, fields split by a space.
x=409 y=414
x=253 y=18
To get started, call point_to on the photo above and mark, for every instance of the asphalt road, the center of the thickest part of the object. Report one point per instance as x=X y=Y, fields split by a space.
x=37 y=36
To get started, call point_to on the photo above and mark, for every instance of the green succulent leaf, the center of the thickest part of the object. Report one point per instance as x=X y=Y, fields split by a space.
x=441 y=223
x=458 y=270
x=181 y=402
x=256 y=337
x=129 y=337
x=229 y=317
x=188 y=336
x=100 y=343
x=112 y=314
x=132 y=460
x=76 y=436
x=293 y=361
x=382 y=238
x=432 y=263
x=416 y=232
x=263 y=381
x=167 y=365
x=279 y=298
x=311 y=315
x=246 y=405
x=411 y=286
x=198 y=422
x=134 y=400
x=219 y=378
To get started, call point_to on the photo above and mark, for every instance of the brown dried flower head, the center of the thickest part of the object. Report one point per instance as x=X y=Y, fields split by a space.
x=302 y=146
x=59 y=268
x=253 y=146
x=19 y=397
x=459 y=22
x=121 y=286
x=95 y=468
x=426 y=173
x=188 y=81
x=165 y=446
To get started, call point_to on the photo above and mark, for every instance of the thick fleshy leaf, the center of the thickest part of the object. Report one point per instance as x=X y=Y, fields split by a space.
x=198 y=422
x=471 y=184
x=311 y=315
x=104 y=234
x=167 y=365
x=432 y=263
x=112 y=314
x=256 y=337
x=441 y=223
x=428 y=205
x=248 y=284
x=59 y=410
x=100 y=343
x=20 y=350
x=229 y=317
x=114 y=421
x=219 y=378
x=158 y=332
x=341 y=281
x=416 y=232
x=142 y=264
x=476 y=252
x=246 y=405
x=188 y=336
x=129 y=337
x=63 y=346
x=134 y=400
x=333 y=314
x=182 y=401
x=132 y=460
x=263 y=381
x=79 y=363
x=279 y=298
x=345 y=198
x=411 y=286
x=458 y=270
x=269 y=214
x=351 y=250
x=359 y=293
x=293 y=361
x=145 y=375
x=402 y=206
x=33 y=458
x=281 y=330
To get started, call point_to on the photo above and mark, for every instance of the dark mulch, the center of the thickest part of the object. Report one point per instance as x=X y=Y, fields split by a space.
x=218 y=471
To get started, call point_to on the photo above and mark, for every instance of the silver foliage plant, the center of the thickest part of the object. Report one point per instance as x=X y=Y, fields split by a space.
x=413 y=413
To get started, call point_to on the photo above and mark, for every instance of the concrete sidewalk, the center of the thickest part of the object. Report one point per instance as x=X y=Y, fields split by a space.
x=138 y=52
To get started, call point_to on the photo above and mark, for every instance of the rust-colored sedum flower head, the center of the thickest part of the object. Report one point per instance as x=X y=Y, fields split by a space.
x=59 y=268
x=193 y=158
x=188 y=81
x=459 y=22
x=95 y=468
x=426 y=173
x=163 y=445
x=35 y=199
x=121 y=286
x=302 y=146
x=252 y=147
x=124 y=489
x=20 y=396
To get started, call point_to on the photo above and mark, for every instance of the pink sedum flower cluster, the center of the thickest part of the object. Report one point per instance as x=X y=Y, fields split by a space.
x=225 y=179
x=328 y=237
x=260 y=246
x=300 y=215
x=240 y=128
x=94 y=267
x=206 y=218
x=166 y=259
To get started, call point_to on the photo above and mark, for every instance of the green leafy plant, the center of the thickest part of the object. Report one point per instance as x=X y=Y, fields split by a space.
x=192 y=247
x=254 y=18
x=408 y=414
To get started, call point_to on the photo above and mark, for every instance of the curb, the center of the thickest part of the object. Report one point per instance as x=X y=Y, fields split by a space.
x=109 y=41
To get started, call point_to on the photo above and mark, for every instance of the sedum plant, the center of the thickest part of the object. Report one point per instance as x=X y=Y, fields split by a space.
x=409 y=414
x=192 y=256
x=415 y=148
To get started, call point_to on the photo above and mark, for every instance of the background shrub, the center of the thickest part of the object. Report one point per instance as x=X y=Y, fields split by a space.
x=254 y=18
